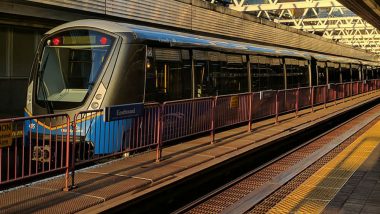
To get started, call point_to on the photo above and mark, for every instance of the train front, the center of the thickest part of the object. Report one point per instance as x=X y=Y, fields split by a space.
x=66 y=79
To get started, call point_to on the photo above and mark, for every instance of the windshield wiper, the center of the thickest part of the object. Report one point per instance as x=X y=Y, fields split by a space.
x=40 y=74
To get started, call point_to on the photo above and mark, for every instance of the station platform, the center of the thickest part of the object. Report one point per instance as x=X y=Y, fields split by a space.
x=108 y=185
x=348 y=183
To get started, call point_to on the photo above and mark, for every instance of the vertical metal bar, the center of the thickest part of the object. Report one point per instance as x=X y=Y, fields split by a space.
x=67 y=176
x=335 y=92
x=43 y=145
x=297 y=100
x=363 y=87
x=8 y=164
x=357 y=88
x=276 y=122
x=327 y=74
x=159 y=132
x=250 y=112
x=23 y=153
x=192 y=75
x=50 y=142
x=285 y=75
x=312 y=98
x=30 y=148
x=15 y=152
x=62 y=148
x=214 y=101
x=344 y=91
x=325 y=96
x=37 y=153
x=249 y=73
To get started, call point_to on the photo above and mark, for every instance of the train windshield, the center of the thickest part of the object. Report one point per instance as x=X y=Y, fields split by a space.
x=70 y=66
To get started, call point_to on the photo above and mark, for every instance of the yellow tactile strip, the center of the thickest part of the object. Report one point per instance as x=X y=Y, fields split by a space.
x=316 y=192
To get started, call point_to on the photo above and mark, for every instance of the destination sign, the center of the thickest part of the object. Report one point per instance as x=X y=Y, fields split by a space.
x=126 y=111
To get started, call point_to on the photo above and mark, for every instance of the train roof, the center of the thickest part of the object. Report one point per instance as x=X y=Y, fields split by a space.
x=179 y=39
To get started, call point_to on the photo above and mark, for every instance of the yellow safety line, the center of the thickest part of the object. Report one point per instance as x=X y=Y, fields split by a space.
x=317 y=191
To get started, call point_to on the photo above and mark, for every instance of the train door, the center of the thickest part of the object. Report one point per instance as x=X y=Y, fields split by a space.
x=203 y=83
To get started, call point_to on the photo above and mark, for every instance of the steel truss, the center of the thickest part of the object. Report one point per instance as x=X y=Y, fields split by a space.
x=327 y=18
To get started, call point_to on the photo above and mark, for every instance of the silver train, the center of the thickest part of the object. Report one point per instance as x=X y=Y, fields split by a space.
x=91 y=64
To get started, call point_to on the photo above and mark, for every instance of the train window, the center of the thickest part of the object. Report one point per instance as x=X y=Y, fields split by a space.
x=321 y=70
x=207 y=68
x=168 y=75
x=376 y=71
x=233 y=76
x=334 y=72
x=345 y=72
x=218 y=73
x=70 y=65
x=355 y=72
x=297 y=72
x=203 y=83
x=369 y=72
x=266 y=73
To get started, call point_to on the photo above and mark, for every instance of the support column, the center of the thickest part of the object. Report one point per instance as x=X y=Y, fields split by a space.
x=317 y=74
x=249 y=74
x=310 y=76
x=193 y=75
x=350 y=72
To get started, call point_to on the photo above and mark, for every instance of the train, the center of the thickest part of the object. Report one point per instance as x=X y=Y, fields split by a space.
x=89 y=65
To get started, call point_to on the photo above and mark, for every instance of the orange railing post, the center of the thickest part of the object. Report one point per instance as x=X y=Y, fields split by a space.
x=214 y=100
x=160 y=128
x=312 y=99
x=297 y=100
x=277 y=108
x=250 y=100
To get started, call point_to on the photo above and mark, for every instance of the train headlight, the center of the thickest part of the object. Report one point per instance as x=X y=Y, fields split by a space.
x=94 y=105
x=98 y=96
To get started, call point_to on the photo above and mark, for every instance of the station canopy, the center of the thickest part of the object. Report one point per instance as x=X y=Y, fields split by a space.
x=327 y=18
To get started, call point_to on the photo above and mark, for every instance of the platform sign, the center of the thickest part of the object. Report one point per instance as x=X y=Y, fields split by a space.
x=5 y=135
x=234 y=102
x=126 y=111
x=266 y=94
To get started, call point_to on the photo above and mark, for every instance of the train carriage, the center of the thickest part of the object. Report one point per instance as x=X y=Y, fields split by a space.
x=84 y=66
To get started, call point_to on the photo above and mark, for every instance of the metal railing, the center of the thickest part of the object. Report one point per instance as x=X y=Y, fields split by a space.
x=31 y=146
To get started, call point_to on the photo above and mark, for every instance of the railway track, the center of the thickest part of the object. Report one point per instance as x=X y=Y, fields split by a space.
x=262 y=188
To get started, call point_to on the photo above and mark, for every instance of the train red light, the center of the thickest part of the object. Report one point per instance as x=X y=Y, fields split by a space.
x=56 y=41
x=103 y=40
